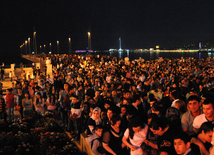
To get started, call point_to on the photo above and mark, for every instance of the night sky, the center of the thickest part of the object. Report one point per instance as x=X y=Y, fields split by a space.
x=139 y=23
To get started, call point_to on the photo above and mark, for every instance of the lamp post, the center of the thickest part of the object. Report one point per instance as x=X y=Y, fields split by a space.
x=34 y=43
x=89 y=40
x=57 y=47
x=40 y=48
x=21 y=49
x=69 y=45
x=29 y=51
x=26 y=46
x=44 y=48
x=50 y=47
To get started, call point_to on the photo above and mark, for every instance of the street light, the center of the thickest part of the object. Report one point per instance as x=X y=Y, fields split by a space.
x=26 y=46
x=89 y=40
x=40 y=48
x=44 y=48
x=69 y=45
x=21 y=49
x=29 y=45
x=50 y=47
x=57 y=47
x=34 y=43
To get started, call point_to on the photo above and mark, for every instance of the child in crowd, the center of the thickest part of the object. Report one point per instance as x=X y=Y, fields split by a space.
x=94 y=140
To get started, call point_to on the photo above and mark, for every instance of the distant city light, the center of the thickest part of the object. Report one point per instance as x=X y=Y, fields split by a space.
x=50 y=52
x=33 y=53
x=81 y=51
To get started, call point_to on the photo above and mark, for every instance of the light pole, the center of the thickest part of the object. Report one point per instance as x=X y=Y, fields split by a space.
x=69 y=45
x=44 y=48
x=89 y=41
x=40 y=48
x=34 y=43
x=29 y=46
x=57 y=47
x=26 y=46
x=50 y=47
x=21 y=49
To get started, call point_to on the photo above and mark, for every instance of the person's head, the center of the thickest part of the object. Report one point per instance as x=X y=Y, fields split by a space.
x=86 y=106
x=8 y=91
x=156 y=109
x=19 y=90
x=110 y=113
x=27 y=95
x=96 y=113
x=125 y=102
x=135 y=126
x=136 y=99
x=181 y=142
x=206 y=130
x=75 y=99
x=97 y=93
x=193 y=92
x=116 y=121
x=38 y=95
x=66 y=86
x=152 y=102
x=99 y=130
x=123 y=109
x=208 y=107
x=128 y=95
x=193 y=103
x=91 y=101
x=114 y=93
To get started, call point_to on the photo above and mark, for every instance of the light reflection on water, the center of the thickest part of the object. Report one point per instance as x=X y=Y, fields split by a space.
x=150 y=55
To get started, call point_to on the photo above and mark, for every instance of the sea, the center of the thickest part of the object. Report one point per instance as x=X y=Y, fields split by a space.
x=131 y=54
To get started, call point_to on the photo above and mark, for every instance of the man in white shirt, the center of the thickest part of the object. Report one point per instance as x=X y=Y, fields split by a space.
x=207 y=116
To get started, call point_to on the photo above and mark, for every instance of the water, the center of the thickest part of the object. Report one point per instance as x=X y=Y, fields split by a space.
x=151 y=55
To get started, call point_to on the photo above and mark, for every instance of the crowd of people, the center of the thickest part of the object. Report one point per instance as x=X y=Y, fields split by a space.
x=162 y=106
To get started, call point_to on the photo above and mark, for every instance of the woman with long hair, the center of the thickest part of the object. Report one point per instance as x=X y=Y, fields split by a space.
x=51 y=103
x=27 y=105
x=39 y=103
x=136 y=133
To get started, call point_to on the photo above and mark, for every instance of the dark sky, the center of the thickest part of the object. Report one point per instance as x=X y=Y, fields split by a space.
x=140 y=23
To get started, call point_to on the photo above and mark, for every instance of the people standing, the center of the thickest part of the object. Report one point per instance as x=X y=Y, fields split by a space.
x=27 y=105
x=9 y=99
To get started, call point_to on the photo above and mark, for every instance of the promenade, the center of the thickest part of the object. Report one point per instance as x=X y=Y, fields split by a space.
x=7 y=83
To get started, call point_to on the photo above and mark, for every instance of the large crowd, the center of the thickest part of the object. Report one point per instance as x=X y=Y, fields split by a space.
x=162 y=106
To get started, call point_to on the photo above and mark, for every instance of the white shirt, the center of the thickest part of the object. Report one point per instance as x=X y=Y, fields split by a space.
x=137 y=139
x=198 y=121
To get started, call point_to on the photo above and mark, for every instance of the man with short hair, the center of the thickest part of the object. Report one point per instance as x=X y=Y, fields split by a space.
x=182 y=145
x=194 y=105
x=207 y=116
